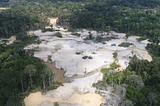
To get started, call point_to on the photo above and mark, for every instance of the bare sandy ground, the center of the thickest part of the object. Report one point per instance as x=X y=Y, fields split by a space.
x=120 y=69
x=10 y=40
x=80 y=85
x=89 y=99
x=52 y=22
x=142 y=53
x=30 y=33
x=3 y=8
x=105 y=49
x=136 y=37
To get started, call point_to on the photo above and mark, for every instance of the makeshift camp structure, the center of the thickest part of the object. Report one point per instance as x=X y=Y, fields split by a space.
x=113 y=44
x=95 y=39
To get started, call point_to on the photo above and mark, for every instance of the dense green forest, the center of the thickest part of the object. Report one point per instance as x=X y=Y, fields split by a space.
x=4 y=3
x=19 y=21
x=21 y=73
x=138 y=17
x=25 y=15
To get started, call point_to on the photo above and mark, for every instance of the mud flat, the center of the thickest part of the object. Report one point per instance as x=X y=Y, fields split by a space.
x=89 y=99
x=34 y=99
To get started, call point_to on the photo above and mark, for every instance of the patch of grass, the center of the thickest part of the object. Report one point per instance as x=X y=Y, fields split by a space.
x=90 y=57
x=109 y=38
x=142 y=38
x=48 y=29
x=115 y=55
x=25 y=41
x=76 y=34
x=111 y=95
x=58 y=34
x=105 y=71
x=125 y=44
x=71 y=29
x=38 y=42
x=94 y=53
x=99 y=39
x=65 y=27
x=56 y=104
x=55 y=86
x=78 y=53
x=114 y=66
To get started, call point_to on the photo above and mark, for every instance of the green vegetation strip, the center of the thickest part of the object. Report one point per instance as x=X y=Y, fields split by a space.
x=125 y=44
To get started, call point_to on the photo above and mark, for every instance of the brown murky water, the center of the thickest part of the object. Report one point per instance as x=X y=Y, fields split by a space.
x=89 y=99
x=59 y=73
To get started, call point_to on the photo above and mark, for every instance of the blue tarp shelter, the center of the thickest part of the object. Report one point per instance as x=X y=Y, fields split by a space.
x=95 y=39
x=113 y=44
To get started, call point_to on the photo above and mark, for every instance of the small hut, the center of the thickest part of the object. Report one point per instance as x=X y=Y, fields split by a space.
x=113 y=44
